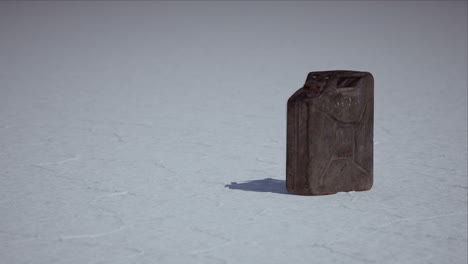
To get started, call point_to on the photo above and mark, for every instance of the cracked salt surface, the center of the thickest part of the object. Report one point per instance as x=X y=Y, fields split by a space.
x=154 y=132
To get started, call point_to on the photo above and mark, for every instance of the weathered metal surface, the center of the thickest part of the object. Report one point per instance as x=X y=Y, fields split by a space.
x=330 y=124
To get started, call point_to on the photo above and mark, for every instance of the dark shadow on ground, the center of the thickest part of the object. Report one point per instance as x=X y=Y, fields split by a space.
x=265 y=185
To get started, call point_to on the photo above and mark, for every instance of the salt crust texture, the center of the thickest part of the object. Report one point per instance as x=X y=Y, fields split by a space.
x=155 y=132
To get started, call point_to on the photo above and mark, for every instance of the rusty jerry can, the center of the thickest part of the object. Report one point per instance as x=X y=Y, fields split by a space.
x=330 y=124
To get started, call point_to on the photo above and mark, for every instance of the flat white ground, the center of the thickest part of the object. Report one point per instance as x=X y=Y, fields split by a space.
x=154 y=132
